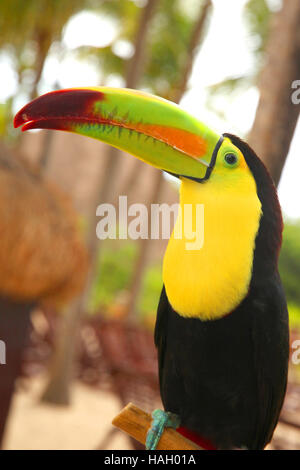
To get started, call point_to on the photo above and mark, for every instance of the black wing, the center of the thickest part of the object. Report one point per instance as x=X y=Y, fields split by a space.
x=271 y=352
x=171 y=390
x=160 y=332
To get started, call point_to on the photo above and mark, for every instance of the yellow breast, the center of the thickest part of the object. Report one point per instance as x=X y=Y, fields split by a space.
x=210 y=281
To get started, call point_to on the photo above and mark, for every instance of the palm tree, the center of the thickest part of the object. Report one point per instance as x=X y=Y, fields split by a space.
x=32 y=27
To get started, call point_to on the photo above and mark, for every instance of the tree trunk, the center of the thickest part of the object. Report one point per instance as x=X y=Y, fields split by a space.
x=137 y=63
x=47 y=140
x=43 y=41
x=14 y=333
x=195 y=41
x=58 y=388
x=277 y=114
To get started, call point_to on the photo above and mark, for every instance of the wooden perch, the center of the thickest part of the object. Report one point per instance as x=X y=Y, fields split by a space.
x=136 y=423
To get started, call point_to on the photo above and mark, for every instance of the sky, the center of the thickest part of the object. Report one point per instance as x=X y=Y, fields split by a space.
x=226 y=52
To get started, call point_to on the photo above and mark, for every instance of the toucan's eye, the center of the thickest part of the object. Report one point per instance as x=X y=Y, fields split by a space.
x=231 y=159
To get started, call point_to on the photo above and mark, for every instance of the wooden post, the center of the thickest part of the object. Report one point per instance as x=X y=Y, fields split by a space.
x=136 y=423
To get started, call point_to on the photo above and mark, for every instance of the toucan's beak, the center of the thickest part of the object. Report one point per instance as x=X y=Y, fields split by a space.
x=152 y=129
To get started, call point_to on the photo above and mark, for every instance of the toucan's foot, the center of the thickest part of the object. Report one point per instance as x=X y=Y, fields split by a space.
x=161 y=420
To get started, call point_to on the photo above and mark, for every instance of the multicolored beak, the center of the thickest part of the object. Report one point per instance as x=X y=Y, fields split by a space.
x=151 y=128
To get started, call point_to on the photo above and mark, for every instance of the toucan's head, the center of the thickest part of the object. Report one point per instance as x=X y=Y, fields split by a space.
x=151 y=128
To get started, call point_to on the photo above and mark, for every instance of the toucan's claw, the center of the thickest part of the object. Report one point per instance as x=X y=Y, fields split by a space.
x=161 y=420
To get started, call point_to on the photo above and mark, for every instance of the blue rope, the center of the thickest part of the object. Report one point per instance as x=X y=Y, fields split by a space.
x=161 y=420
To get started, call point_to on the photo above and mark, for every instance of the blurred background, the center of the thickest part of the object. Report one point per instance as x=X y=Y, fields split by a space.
x=76 y=313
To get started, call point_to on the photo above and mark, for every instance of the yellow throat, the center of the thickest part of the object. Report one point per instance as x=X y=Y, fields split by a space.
x=211 y=281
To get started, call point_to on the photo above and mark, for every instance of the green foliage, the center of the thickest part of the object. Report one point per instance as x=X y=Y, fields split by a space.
x=113 y=273
x=28 y=29
x=113 y=277
x=289 y=262
x=289 y=268
x=126 y=13
x=3 y=114
x=294 y=316
x=169 y=36
x=21 y=20
x=109 y=62
x=150 y=291
x=257 y=15
x=171 y=30
x=6 y=116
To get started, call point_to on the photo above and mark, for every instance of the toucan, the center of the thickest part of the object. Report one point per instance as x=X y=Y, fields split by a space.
x=222 y=322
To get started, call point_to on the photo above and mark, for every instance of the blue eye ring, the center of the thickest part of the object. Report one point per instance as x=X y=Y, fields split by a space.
x=231 y=159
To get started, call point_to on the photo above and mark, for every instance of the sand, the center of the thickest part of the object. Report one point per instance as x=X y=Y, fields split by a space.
x=82 y=425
